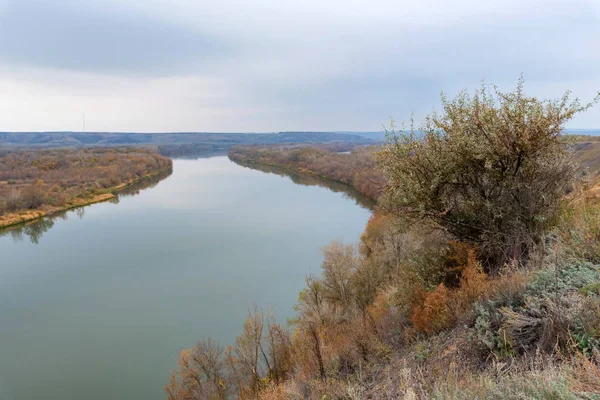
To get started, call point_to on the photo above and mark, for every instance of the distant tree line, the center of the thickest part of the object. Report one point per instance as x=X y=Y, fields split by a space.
x=352 y=165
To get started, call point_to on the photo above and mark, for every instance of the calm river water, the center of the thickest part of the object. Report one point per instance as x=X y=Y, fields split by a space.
x=98 y=303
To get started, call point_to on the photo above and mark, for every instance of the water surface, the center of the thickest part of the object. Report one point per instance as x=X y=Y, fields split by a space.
x=97 y=304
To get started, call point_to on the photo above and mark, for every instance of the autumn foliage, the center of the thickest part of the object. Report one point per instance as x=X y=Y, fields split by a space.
x=50 y=179
x=355 y=167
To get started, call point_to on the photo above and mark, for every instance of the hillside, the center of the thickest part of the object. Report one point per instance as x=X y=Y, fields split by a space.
x=478 y=277
x=587 y=153
x=169 y=143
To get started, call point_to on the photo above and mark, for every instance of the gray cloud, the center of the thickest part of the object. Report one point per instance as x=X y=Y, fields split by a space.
x=58 y=35
x=271 y=65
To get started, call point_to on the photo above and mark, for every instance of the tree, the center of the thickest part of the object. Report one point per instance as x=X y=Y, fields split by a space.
x=314 y=314
x=250 y=357
x=339 y=264
x=201 y=374
x=33 y=195
x=490 y=169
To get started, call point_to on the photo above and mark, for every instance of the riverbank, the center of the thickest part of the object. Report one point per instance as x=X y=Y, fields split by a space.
x=311 y=179
x=356 y=169
x=18 y=218
x=297 y=170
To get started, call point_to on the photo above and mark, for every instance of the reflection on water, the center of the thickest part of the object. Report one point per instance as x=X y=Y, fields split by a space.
x=312 y=180
x=197 y=155
x=34 y=230
x=102 y=306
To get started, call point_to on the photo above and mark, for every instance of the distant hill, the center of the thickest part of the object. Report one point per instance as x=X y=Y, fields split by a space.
x=179 y=143
x=171 y=143
x=380 y=135
x=589 y=132
x=377 y=136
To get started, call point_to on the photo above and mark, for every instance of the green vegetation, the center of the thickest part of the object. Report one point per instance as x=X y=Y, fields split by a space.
x=492 y=169
x=478 y=276
x=38 y=183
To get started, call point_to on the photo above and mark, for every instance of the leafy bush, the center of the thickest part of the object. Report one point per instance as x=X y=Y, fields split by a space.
x=487 y=332
x=491 y=169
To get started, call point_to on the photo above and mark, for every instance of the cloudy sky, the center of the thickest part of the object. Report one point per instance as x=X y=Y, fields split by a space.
x=272 y=65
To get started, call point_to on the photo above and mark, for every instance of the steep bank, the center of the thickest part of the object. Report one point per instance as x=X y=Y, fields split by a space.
x=484 y=283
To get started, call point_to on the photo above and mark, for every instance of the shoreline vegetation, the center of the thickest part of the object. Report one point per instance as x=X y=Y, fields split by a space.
x=478 y=277
x=353 y=166
x=311 y=179
x=35 y=229
x=38 y=184
x=12 y=220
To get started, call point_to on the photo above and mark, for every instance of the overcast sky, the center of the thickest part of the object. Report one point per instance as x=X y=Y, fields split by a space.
x=273 y=65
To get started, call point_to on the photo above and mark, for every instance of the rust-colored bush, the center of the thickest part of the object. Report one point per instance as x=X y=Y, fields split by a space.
x=440 y=308
x=473 y=285
x=435 y=313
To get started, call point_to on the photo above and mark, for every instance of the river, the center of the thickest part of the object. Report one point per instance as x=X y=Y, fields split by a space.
x=97 y=303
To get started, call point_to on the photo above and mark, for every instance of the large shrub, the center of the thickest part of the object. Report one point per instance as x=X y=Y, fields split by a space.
x=491 y=169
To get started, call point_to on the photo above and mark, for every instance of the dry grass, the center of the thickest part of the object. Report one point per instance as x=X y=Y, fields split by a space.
x=586 y=154
x=455 y=377
x=19 y=218
x=580 y=228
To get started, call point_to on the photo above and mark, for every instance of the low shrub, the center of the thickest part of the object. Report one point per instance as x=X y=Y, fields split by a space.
x=563 y=277
x=434 y=314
